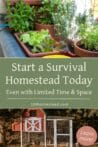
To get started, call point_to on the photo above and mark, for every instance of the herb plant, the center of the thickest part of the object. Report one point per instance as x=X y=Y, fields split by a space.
x=81 y=18
x=63 y=18
x=89 y=37
x=20 y=16
x=45 y=12
x=39 y=41
x=84 y=20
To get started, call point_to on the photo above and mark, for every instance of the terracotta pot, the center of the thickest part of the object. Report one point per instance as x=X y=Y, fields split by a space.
x=49 y=27
x=30 y=54
x=33 y=2
x=30 y=2
x=83 y=52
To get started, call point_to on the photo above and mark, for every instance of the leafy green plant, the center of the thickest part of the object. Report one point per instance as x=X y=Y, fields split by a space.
x=20 y=16
x=63 y=18
x=84 y=20
x=81 y=18
x=39 y=41
x=44 y=13
x=89 y=37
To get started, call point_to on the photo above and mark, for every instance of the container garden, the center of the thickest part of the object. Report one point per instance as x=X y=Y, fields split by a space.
x=30 y=2
x=88 y=45
x=44 y=18
x=31 y=51
x=82 y=52
x=87 y=31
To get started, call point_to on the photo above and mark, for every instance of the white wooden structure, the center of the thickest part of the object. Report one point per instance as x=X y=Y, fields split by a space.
x=57 y=130
x=33 y=123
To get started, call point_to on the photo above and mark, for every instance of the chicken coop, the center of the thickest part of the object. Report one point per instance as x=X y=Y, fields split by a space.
x=38 y=130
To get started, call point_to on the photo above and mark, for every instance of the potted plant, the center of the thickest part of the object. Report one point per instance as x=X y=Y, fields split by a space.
x=63 y=20
x=20 y=17
x=88 y=44
x=39 y=44
x=44 y=19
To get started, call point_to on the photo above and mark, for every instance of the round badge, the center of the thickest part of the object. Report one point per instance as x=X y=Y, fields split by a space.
x=86 y=135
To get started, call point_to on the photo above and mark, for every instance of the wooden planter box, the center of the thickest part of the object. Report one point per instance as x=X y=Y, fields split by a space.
x=30 y=54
